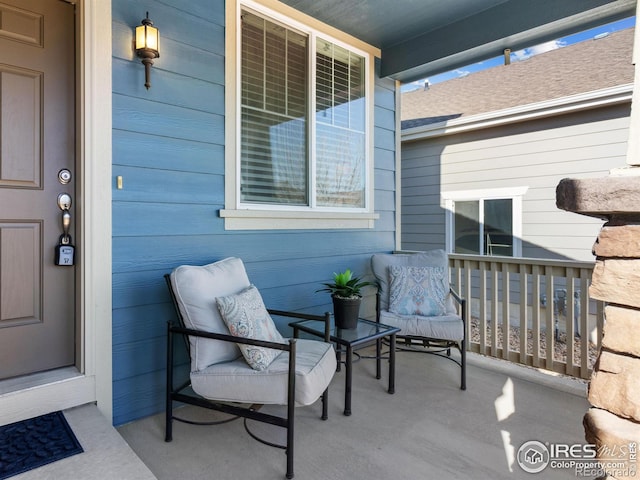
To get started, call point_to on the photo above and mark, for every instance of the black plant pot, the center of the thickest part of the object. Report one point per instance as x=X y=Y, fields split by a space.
x=346 y=312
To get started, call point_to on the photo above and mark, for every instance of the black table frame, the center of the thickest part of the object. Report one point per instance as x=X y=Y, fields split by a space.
x=344 y=338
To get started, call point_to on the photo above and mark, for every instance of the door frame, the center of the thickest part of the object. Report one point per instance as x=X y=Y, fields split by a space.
x=91 y=380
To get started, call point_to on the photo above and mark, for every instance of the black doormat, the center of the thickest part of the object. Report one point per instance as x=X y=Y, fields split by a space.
x=35 y=442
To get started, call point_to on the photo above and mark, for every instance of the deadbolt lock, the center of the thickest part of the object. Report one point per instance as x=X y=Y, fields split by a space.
x=64 y=201
x=64 y=176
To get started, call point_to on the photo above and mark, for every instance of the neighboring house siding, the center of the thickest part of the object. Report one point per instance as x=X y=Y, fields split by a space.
x=168 y=145
x=535 y=154
x=422 y=217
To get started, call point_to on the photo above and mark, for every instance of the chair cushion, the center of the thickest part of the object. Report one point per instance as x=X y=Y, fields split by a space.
x=417 y=290
x=196 y=289
x=443 y=327
x=381 y=262
x=235 y=381
x=246 y=316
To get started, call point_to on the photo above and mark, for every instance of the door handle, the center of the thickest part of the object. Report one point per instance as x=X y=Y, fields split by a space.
x=64 y=203
x=65 y=251
x=66 y=223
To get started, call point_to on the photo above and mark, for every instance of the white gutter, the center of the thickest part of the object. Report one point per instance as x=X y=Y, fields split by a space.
x=531 y=111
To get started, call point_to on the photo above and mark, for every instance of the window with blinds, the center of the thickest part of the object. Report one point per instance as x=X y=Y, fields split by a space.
x=288 y=156
x=340 y=126
x=274 y=145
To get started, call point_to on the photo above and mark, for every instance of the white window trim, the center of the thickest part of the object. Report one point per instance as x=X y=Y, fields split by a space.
x=263 y=217
x=513 y=193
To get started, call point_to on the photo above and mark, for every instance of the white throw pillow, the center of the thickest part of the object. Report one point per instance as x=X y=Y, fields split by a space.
x=246 y=316
x=417 y=290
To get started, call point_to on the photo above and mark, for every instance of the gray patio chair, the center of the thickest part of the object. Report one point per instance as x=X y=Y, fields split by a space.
x=414 y=295
x=226 y=328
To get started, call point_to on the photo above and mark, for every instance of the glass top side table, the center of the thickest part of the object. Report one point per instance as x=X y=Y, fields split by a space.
x=349 y=340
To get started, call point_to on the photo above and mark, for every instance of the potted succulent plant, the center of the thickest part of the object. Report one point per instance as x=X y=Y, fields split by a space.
x=345 y=292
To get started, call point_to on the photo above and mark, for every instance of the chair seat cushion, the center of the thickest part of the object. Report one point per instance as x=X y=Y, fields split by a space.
x=443 y=327
x=236 y=381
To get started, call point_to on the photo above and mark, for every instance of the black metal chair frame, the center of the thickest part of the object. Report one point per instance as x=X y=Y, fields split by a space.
x=436 y=346
x=251 y=412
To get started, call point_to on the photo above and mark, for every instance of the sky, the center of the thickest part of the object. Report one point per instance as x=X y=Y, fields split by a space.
x=523 y=54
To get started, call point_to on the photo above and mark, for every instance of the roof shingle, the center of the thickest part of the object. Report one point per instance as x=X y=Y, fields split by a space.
x=579 y=68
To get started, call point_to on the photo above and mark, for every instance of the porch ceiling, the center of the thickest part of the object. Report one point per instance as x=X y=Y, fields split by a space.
x=419 y=38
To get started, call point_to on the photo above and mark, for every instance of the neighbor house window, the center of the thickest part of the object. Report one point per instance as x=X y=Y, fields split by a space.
x=303 y=140
x=485 y=222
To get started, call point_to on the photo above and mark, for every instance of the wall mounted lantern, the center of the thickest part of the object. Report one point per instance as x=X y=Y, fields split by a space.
x=147 y=46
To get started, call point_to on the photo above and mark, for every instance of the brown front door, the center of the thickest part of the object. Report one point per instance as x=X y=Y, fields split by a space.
x=37 y=141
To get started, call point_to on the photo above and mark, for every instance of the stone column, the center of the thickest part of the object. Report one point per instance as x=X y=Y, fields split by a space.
x=613 y=421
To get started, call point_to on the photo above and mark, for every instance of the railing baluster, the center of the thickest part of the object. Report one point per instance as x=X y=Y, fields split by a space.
x=458 y=276
x=482 y=317
x=584 y=324
x=494 y=309
x=506 y=320
x=524 y=310
x=550 y=327
x=570 y=315
x=535 y=324
x=467 y=295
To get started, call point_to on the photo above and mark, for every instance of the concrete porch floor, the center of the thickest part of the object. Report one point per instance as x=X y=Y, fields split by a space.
x=429 y=429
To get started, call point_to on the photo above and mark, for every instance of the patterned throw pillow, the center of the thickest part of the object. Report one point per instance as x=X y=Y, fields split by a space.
x=417 y=291
x=246 y=316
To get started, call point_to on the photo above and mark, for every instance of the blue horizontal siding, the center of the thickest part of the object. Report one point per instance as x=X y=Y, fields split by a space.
x=183 y=91
x=201 y=28
x=136 y=289
x=168 y=153
x=385 y=181
x=144 y=116
x=385 y=118
x=385 y=94
x=213 y=10
x=138 y=323
x=138 y=397
x=385 y=160
x=129 y=363
x=204 y=63
x=154 y=185
x=168 y=147
x=385 y=139
x=135 y=218
x=139 y=253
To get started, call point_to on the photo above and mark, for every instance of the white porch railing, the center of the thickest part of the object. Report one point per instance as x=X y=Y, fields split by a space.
x=543 y=304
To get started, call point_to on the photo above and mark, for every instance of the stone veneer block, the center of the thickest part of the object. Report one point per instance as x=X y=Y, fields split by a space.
x=606 y=197
x=612 y=437
x=622 y=330
x=618 y=241
x=616 y=281
x=615 y=385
